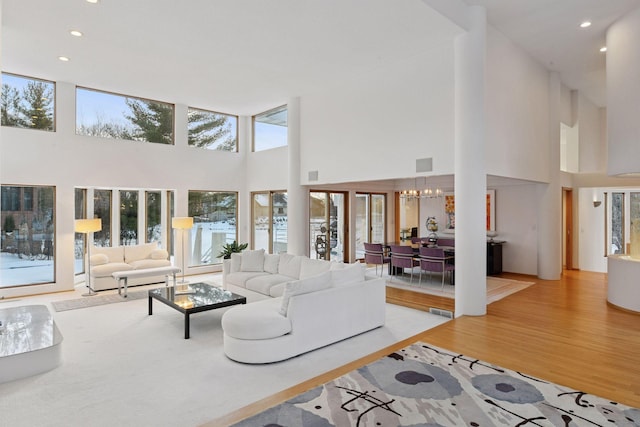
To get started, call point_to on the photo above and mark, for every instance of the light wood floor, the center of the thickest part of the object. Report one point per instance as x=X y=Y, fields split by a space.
x=562 y=331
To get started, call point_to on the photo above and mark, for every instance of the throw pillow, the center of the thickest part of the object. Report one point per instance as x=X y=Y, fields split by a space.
x=271 y=262
x=312 y=267
x=351 y=273
x=99 y=259
x=289 y=265
x=304 y=286
x=159 y=254
x=252 y=260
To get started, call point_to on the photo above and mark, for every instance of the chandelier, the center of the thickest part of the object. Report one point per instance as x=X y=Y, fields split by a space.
x=428 y=193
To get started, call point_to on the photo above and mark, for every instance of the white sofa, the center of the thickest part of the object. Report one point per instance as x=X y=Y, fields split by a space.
x=107 y=260
x=311 y=312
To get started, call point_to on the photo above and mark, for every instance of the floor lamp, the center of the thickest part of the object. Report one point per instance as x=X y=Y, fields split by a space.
x=88 y=226
x=182 y=223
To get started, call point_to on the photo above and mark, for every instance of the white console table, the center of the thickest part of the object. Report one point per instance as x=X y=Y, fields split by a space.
x=30 y=342
x=624 y=288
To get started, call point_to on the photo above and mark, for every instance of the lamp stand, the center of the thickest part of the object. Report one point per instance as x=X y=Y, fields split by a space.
x=91 y=292
x=182 y=286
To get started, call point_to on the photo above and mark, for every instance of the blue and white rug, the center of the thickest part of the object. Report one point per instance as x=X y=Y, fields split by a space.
x=423 y=385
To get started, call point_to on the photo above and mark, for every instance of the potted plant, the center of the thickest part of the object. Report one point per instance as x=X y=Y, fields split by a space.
x=231 y=248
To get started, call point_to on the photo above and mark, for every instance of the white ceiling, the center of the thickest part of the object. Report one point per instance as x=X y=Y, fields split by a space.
x=247 y=56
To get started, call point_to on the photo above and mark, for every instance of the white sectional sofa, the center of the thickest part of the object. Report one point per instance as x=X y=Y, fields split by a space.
x=326 y=302
x=107 y=260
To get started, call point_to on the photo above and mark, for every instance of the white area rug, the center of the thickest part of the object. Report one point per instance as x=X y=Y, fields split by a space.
x=497 y=287
x=123 y=367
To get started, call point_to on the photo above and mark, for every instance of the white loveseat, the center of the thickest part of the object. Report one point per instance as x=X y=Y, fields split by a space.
x=107 y=260
x=311 y=312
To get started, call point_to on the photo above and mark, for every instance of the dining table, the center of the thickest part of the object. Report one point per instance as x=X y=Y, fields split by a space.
x=393 y=271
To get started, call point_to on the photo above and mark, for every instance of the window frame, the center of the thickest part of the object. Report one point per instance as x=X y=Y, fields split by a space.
x=253 y=127
x=237 y=126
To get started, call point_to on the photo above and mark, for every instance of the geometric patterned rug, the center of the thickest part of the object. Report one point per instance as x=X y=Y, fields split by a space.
x=423 y=385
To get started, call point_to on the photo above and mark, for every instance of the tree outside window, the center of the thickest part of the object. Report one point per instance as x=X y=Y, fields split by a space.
x=27 y=103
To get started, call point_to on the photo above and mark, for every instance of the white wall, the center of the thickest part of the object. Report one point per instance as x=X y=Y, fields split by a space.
x=517 y=112
x=591 y=230
x=376 y=126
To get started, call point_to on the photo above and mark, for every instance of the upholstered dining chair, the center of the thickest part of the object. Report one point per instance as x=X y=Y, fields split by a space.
x=374 y=254
x=434 y=260
x=403 y=257
x=446 y=241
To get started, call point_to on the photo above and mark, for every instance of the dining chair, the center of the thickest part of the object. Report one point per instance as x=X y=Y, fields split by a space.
x=446 y=241
x=374 y=254
x=402 y=257
x=434 y=260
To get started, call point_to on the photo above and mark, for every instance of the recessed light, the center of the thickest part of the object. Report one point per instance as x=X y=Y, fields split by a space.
x=63 y=58
x=603 y=49
x=76 y=33
x=585 y=24
x=92 y=1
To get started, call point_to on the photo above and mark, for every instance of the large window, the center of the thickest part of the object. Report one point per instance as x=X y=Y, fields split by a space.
x=80 y=238
x=128 y=217
x=213 y=131
x=617 y=224
x=270 y=129
x=153 y=223
x=28 y=103
x=102 y=210
x=269 y=211
x=117 y=116
x=214 y=217
x=28 y=231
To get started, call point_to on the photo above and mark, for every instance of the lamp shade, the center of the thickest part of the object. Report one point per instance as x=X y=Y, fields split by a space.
x=88 y=225
x=182 y=223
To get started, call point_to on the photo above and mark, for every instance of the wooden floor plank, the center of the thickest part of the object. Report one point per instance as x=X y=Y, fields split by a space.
x=562 y=331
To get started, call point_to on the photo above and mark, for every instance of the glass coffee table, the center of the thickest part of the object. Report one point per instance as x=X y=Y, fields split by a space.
x=200 y=297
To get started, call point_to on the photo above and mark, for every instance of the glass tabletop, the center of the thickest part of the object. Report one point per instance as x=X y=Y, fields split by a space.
x=195 y=295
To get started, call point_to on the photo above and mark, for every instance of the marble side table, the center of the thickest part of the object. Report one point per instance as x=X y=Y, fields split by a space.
x=30 y=342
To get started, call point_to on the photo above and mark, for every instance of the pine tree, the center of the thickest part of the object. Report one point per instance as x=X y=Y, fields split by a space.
x=38 y=97
x=153 y=121
x=207 y=129
x=11 y=115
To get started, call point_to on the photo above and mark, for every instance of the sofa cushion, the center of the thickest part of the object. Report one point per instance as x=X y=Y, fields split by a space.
x=136 y=252
x=264 y=283
x=115 y=254
x=271 y=262
x=277 y=290
x=351 y=273
x=252 y=260
x=98 y=259
x=304 y=286
x=159 y=254
x=105 y=270
x=313 y=267
x=289 y=265
x=256 y=321
x=149 y=263
x=236 y=259
x=240 y=278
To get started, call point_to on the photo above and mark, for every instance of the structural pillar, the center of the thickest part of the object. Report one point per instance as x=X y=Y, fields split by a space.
x=550 y=195
x=470 y=168
x=297 y=200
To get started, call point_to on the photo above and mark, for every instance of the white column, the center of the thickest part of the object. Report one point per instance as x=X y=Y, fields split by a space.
x=623 y=94
x=550 y=195
x=297 y=198
x=470 y=169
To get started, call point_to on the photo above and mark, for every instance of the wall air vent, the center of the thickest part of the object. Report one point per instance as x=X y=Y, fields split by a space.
x=424 y=165
x=313 y=175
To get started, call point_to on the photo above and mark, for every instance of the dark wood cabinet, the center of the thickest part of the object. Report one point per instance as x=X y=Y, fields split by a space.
x=494 y=258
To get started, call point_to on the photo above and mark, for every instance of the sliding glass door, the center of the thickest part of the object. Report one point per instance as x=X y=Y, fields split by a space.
x=370 y=220
x=327 y=226
x=269 y=218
